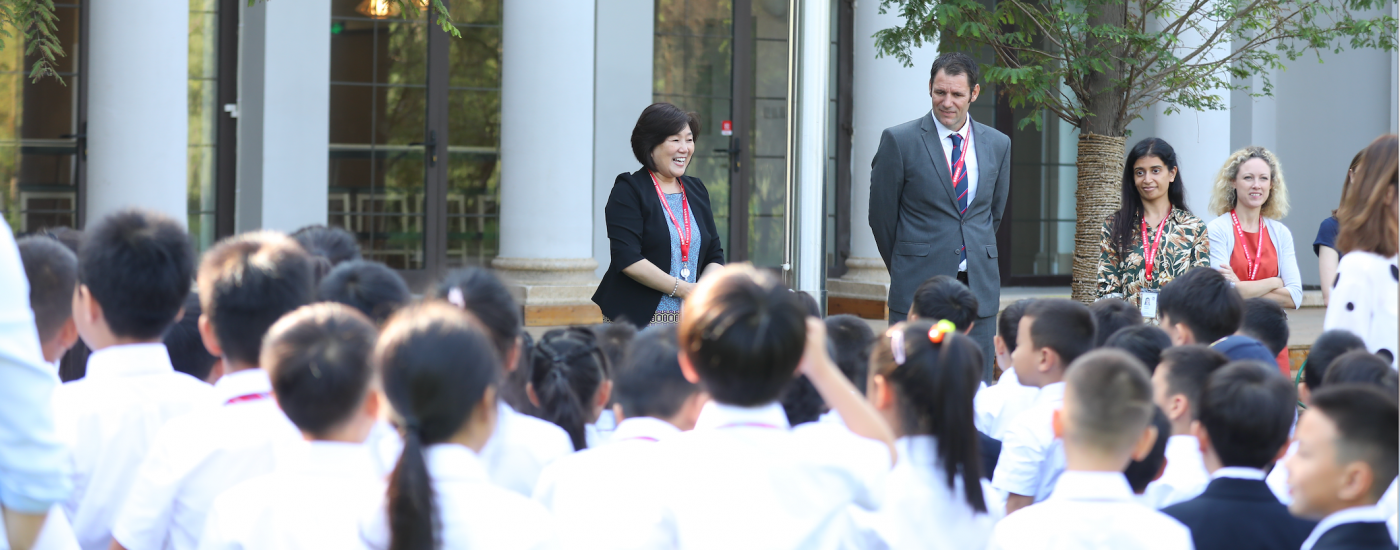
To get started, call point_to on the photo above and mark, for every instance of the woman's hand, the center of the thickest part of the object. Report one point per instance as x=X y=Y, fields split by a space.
x=1229 y=274
x=684 y=289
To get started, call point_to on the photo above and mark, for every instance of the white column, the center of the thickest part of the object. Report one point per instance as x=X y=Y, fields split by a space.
x=1201 y=138
x=284 y=115
x=622 y=88
x=808 y=132
x=138 y=107
x=547 y=158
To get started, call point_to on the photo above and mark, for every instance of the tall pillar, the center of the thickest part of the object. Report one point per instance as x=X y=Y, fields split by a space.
x=546 y=254
x=1201 y=139
x=138 y=125
x=886 y=94
x=283 y=116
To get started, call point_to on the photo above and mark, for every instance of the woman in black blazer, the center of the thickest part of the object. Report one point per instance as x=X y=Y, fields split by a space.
x=660 y=224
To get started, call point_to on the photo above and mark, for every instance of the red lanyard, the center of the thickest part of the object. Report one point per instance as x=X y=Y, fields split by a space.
x=1149 y=248
x=249 y=397
x=685 y=213
x=1251 y=263
x=960 y=165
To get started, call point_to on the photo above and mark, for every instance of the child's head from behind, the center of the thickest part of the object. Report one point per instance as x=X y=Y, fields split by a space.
x=481 y=293
x=568 y=380
x=1361 y=367
x=944 y=298
x=134 y=271
x=1246 y=411
x=1327 y=348
x=318 y=358
x=1346 y=455
x=1107 y=409
x=649 y=381
x=742 y=334
x=1178 y=379
x=1053 y=333
x=368 y=286
x=850 y=339
x=186 y=346
x=1199 y=307
x=1145 y=470
x=1145 y=342
x=1008 y=325
x=1112 y=315
x=52 y=271
x=1264 y=320
x=246 y=283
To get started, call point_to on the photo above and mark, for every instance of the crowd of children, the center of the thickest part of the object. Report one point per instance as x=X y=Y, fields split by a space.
x=279 y=392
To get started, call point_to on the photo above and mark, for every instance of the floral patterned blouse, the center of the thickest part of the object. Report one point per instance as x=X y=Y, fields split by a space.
x=1185 y=246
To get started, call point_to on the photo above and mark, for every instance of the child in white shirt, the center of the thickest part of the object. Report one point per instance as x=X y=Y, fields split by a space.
x=1176 y=389
x=997 y=405
x=318 y=360
x=569 y=381
x=52 y=270
x=1104 y=422
x=134 y=273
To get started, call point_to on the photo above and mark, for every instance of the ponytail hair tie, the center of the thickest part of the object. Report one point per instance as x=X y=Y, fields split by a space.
x=455 y=298
x=897 y=346
x=941 y=329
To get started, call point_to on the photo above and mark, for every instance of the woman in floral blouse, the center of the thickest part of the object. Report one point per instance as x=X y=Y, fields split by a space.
x=1153 y=211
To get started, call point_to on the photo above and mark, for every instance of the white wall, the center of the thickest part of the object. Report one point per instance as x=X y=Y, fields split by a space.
x=622 y=88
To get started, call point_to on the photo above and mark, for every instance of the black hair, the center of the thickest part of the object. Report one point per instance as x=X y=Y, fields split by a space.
x=436 y=365
x=1125 y=224
x=1140 y=473
x=809 y=304
x=487 y=299
x=801 y=402
x=186 y=346
x=52 y=271
x=335 y=244
x=649 y=377
x=613 y=339
x=1009 y=322
x=1265 y=321
x=850 y=338
x=744 y=333
x=1361 y=367
x=567 y=368
x=1367 y=428
x=1203 y=300
x=368 y=286
x=1328 y=347
x=953 y=64
x=318 y=358
x=935 y=385
x=1112 y=396
x=1145 y=342
x=512 y=390
x=1062 y=325
x=658 y=122
x=138 y=265
x=1112 y=315
x=944 y=298
x=1189 y=368
x=246 y=283
x=1247 y=409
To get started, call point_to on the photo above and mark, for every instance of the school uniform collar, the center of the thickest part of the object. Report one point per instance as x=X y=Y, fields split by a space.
x=1184 y=448
x=336 y=459
x=1092 y=486
x=453 y=462
x=129 y=360
x=643 y=428
x=1359 y=514
x=718 y=415
x=1238 y=472
x=922 y=449
x=245 y=382
x=1052 y=393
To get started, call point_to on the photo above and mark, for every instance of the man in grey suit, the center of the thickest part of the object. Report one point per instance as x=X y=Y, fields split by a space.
x=938 y=186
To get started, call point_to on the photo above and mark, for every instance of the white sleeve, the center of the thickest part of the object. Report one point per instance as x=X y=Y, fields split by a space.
x=1220 y=250
x=1288 y=264
x=1018 y=466
x=143 y=523
x=215 y=536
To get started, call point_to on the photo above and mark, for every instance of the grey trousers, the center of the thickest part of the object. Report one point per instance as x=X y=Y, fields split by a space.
x=982 y=332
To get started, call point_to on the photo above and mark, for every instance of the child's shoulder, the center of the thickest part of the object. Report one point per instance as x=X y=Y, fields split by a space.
x=540 y=436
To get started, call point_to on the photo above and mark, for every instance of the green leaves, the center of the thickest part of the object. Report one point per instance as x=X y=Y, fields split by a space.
x=36 y=20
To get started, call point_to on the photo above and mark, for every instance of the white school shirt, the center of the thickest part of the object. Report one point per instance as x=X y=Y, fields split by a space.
x=110 y=418
x=472 y=510
x=1184 y=478
x=600 y=497
x=743 y=479
x=1090 y=511
x=199 y=456
x=1277 y=480
x=920 y=511
x=1388 y=506
x=314 y=501
x=520 y=448
x=945 y=136
x=55 y=534
x=1032 y=458
x=996 y=406
x=1359 y=514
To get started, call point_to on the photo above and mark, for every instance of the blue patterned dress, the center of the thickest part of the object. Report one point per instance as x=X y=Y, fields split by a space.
x=669 y=310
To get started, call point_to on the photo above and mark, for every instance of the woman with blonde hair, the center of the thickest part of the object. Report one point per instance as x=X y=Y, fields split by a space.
x=1364 y=292
x=1248 y=243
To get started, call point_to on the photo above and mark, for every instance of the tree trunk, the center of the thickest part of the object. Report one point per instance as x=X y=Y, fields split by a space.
x=1100 y=163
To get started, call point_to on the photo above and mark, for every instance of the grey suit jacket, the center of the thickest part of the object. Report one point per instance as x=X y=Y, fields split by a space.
x=914 y=212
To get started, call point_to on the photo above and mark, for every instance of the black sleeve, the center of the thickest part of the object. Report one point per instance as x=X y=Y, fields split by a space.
x=624 y=217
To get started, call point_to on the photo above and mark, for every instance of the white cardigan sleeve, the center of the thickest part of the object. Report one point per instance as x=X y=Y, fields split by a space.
x=1222 y=241
x=1287 y=261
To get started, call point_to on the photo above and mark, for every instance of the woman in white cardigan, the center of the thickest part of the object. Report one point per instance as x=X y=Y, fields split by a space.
x=1248 y=243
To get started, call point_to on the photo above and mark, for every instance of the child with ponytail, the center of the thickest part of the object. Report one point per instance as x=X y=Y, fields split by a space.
x=568 y=381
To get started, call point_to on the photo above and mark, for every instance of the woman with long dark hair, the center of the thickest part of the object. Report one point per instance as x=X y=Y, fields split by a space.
x=569 y=381
x=1153 y=237
x=1364 y=292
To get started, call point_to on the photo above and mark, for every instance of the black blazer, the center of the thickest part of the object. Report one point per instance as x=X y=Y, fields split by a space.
x=1240 y=514
x=1356 y=536
x=637 y=230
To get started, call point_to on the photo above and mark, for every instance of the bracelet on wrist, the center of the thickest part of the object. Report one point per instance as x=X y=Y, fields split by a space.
x=675 y=287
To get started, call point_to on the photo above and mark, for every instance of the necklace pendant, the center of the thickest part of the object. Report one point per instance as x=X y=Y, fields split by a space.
x=685 y=272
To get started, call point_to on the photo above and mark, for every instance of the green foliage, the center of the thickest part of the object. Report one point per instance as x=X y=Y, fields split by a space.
x=36 y=19
x=1114 y=58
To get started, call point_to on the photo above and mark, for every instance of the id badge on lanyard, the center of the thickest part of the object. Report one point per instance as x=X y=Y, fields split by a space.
x=1148 y=302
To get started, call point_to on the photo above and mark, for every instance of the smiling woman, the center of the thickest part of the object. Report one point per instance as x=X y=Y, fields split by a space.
x=660 y=225
x=1248 y=244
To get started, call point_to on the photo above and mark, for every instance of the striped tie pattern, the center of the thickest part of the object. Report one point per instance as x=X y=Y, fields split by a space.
x=959 y=181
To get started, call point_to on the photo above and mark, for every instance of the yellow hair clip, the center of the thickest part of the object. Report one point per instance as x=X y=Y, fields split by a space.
x=939 y=329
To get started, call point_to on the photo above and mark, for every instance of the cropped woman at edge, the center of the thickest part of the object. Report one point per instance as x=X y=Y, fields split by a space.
x=660 y=224
x=1152 y=238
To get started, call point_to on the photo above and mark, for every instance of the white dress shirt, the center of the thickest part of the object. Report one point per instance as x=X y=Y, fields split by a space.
x=473 y=511
x=600 y=496
x=1238 y=472
x=1185 y=476
x=1090 y=511
x=1387 y=506
x=56 y=533
x=521 y=447
x=314 y=501
x=920 y=511
x=945 y=137
x=1032 y=458
x=1277 y=480
x=198 y=456
x=1359 y=514
x=743 y=479
x=997 y=405
x=110 y=419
